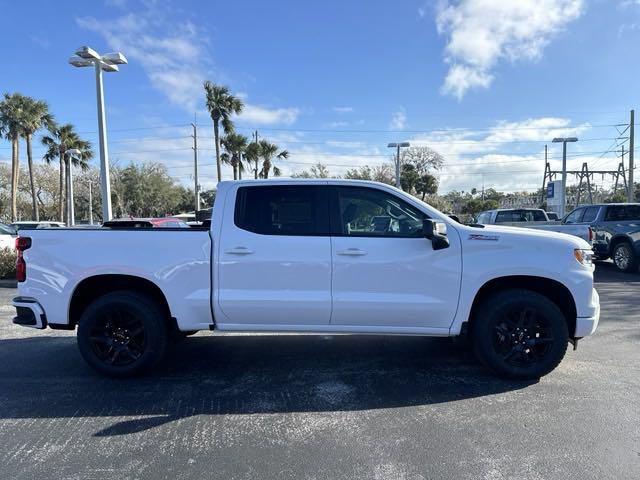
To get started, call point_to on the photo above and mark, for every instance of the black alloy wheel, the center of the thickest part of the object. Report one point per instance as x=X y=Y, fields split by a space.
x=123 y=333
x=519 y=334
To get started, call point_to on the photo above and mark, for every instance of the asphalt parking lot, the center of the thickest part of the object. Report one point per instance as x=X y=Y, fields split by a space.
x=320 y=407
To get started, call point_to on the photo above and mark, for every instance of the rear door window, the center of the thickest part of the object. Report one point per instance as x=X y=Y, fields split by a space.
x=632 y=212
x=283 y=210
x=506 y=216
x=615 y=213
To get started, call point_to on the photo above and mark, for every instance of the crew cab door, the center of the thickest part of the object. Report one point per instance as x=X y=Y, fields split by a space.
x=385 y=273
x=275 y=257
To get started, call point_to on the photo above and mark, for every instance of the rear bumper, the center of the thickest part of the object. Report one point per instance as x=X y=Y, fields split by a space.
x=29 y=313
x=586 y=326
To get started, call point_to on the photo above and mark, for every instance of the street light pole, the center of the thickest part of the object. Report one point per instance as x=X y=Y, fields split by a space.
x=74 y=152
x=90 y=203
x=397 y=147
x=105 y=182
x=86 y=57
x=564 y=170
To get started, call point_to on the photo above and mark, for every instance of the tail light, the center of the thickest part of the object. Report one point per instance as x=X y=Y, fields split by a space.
x=590 y=234
x=22 y=244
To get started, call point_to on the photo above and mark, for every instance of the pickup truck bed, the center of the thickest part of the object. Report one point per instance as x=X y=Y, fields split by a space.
x=174 y=260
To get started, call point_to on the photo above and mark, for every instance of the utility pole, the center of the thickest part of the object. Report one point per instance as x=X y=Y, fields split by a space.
x=398 y=167
x=255 y=170
x=196 y=186
x=90 y=204
x=631 y=186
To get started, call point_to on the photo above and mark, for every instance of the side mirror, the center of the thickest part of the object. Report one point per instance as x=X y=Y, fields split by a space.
x=436 y=232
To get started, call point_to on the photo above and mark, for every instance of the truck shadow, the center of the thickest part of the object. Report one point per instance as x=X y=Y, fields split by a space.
x=241 y=374
x=606 y=272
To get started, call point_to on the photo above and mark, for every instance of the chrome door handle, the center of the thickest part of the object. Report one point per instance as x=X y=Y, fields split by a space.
x=354 y=252
x=238 y=251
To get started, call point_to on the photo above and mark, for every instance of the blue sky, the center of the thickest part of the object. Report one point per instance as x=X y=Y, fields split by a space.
x=485 y=82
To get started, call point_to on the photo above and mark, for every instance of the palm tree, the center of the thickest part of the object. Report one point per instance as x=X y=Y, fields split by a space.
x=35 y=116
x=268 y=151
x=235 y=144
x=252 y=157
x=221 y=105
x=65 y=138
x=11 y=114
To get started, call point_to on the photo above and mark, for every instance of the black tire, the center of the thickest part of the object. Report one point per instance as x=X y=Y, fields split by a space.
x=520 y=334
x=624 y=258
x=122 y=334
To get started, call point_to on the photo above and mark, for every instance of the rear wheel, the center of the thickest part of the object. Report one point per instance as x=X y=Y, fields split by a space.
x=122 y=334
x=624 y=258
x=520 y=334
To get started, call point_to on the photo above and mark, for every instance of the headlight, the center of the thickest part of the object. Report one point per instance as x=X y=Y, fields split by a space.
x=585 y=257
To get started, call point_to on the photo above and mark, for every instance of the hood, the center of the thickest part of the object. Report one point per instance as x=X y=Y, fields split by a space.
x=530 y=234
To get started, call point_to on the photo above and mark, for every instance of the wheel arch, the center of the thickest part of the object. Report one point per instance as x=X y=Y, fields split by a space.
x=91 y=288
x=552 y=289
x=615 y=241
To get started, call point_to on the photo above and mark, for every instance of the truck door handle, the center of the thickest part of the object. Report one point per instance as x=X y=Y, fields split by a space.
x=354 y=252
x=239 y=251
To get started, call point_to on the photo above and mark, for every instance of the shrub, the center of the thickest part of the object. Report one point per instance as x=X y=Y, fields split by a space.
x=7 y=262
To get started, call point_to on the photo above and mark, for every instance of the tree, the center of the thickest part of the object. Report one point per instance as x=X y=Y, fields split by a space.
x=319 y=170
x=35 y=116
x=409 y=177
x=252 y=157
x=221 y=105
x=148 y=191
x=381 y=173
x=427 y=184
x=474 y=205
x=11 y=115
x=235 y=144
x=269 y=151
x=208 y=197
x=423 y=158
x=61 y=139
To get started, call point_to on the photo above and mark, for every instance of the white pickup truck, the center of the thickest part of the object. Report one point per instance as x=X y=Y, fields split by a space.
x=319 y=256
x=535 y=218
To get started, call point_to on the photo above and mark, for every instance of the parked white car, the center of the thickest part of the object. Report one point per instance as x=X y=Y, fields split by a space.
x=8 y=236
x=532 y=218
x=311 y=256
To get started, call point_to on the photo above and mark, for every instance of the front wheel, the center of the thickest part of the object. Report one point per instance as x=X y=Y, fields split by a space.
x=122 y=334
x=520 y=334
x=624 y=259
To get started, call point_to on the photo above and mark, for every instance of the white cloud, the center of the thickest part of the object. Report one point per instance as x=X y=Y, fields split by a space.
x=480 y=33
x=342 y=109
x=398 y=120
x=509 y=153
x=266 y=116
x=174 y=57
x=170 y=52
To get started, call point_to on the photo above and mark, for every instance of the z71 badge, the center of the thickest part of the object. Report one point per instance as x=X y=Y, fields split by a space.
x=479 y=236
